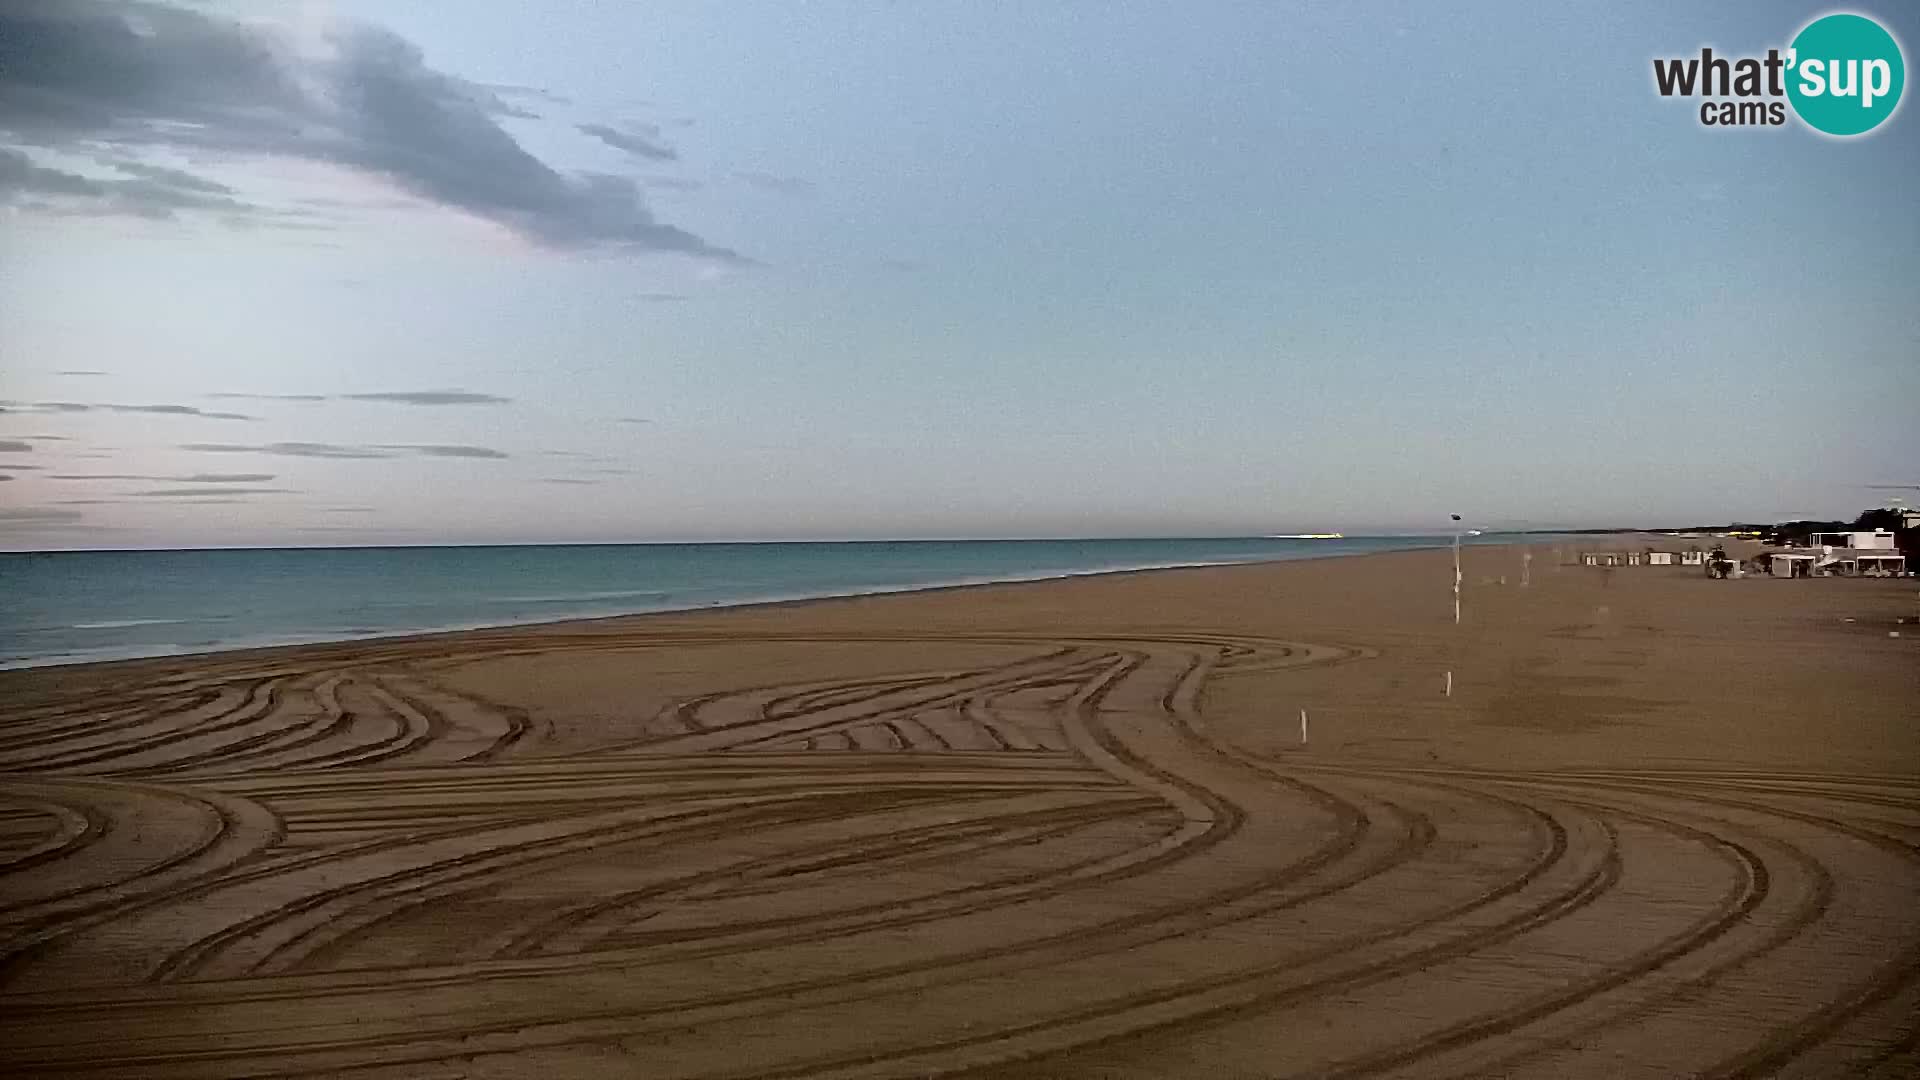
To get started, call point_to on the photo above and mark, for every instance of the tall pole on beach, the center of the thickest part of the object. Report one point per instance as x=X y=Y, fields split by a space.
x=1456 y=569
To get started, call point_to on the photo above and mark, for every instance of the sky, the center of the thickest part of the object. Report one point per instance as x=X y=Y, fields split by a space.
x=278 y=273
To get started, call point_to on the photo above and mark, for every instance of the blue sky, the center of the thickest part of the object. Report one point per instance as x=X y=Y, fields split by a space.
x=913 y=269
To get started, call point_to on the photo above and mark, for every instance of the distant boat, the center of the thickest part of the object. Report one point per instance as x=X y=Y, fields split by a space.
x=1308 y=536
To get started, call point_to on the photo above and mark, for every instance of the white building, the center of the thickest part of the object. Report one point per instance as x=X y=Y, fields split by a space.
x=1874 y=540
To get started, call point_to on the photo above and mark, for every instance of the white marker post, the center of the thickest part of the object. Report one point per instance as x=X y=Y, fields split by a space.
x=1303 y=727
x=1449 y=684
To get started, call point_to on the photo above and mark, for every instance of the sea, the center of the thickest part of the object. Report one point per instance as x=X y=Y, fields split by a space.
x=79 y=606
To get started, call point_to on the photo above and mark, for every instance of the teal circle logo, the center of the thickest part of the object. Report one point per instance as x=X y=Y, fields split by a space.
x=1845 y=74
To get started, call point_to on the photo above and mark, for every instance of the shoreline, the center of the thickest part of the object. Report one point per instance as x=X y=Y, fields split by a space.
x=385 y=637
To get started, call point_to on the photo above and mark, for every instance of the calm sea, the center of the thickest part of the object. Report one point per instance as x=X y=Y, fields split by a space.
x=67 y=607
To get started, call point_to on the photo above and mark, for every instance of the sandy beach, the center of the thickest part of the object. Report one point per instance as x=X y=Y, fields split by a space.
x=1662 y=826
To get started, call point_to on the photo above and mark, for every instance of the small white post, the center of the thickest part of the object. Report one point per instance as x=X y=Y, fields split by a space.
x=1449 y=684
x=1303 y=727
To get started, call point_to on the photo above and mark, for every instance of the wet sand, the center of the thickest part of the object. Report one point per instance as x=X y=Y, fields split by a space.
x=1662 y=826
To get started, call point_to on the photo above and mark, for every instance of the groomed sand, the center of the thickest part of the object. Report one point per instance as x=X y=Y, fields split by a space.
x=1664 y=826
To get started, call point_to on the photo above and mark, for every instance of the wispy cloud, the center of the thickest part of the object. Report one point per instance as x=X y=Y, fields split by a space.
x=288 y=449
x=195 y=478
x=566 y=480
x=640 y=140
x=196 y=492
x=396 y=397
x=336 y=450
x=15 y=446
x=79 y=371
x=120 y=80
x=430 y=397
x=25 y=181
x=632 y=420
x=87 y=406
x=454 y=450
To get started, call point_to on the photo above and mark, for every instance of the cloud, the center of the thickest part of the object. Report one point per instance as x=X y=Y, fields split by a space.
x=335 y=450
x=80 y=371
x=516 y=90
x=446 y=450
x=288 y=449
x=16 y=467
x=4 y=476
x=640 y=140
x=566 y=480
x=37 y=516
x=400 y=397
x=195 y=492
x=660 y=297
x=130 y=78
x=632 y=420
x=159 y=410
x=196 y=478
x=60 y=191
x=430 y=397
x=15 y=446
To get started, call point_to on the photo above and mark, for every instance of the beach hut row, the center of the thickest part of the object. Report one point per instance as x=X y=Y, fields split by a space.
x=1694 y=557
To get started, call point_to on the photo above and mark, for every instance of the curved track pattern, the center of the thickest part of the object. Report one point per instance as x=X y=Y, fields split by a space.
x=1046 y=866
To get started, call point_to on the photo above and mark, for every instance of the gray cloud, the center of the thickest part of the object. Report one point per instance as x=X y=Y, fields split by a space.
x=15 y=467
x=160 y=410
x=447 y=450
x=80 y=371
x=15 y=446
x=566 y=480
x=335 y=450
x=640 y=140
x=632 y=420
x=288 y=449
x=22 y=179
x=196 y=478
x=517 y=90
x=196 y=492
x=430 y=397
x=660 y=297
x=36 y=516
x=398 y=397
x=130 y=77
x=4 y=476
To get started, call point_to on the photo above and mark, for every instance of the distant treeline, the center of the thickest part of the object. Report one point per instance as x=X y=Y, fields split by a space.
x=1789 y=532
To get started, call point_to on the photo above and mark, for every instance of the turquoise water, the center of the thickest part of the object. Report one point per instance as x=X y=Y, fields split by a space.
x=65 y=607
